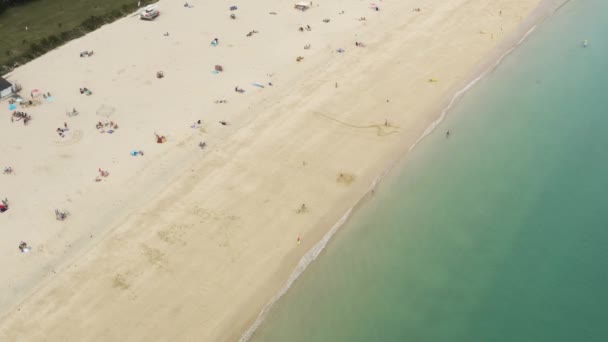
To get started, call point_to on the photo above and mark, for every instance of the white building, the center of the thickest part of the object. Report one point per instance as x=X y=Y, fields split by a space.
x=6 y=88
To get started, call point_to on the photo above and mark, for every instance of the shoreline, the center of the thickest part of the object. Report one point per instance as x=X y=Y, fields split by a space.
x=543 y=11
x=151 y=260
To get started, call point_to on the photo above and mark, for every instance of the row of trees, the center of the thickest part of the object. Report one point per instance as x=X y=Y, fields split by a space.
x=91 y=23
x=5 y=4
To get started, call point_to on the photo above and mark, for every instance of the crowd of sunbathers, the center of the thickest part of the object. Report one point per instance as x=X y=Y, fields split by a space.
x=21 y=115
x=111 y=126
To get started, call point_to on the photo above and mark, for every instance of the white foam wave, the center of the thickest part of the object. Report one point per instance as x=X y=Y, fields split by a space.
x=467 y=87
x=309 y=257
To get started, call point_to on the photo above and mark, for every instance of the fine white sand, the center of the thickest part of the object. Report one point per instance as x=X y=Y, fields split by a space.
x=185 y=244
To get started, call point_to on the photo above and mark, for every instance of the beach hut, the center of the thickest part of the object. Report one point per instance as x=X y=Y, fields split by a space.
x=6 y=88
x=302 y=6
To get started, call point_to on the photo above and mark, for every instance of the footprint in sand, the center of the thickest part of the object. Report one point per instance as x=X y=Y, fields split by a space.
x=120 y=281
x=154 y=256
x=345 y=178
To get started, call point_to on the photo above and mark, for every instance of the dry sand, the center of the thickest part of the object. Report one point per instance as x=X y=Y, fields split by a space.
x=185 y=244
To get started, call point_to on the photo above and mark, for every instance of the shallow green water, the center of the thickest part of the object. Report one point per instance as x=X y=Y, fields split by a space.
x=497 y=233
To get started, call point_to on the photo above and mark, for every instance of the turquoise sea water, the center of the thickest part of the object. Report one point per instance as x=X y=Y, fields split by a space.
x=497 y=233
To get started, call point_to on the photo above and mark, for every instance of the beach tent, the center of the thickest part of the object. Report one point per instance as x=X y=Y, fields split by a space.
x=6 y=88
x=302 y=6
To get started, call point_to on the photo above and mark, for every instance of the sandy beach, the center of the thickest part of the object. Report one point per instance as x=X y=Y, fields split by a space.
x=186 y=243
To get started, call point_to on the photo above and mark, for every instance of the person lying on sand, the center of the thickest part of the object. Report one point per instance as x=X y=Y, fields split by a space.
x=60 y=131
x=74 y=112
x=7 y=170
x=59 y=216
x=4 y=205
x=85 y=91
x=160 y=138
x=196 y=124
x=23 y=247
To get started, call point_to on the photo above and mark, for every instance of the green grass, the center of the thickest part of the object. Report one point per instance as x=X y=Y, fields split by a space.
x=51 y=23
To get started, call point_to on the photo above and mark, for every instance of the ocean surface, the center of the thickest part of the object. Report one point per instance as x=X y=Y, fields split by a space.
x=498 y=232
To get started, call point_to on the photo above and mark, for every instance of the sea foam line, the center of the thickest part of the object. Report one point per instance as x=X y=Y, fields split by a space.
x=467 y=87
x=309 y=257
x=316 y=250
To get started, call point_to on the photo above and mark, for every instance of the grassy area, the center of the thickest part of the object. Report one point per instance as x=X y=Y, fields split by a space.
x=51 y=23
